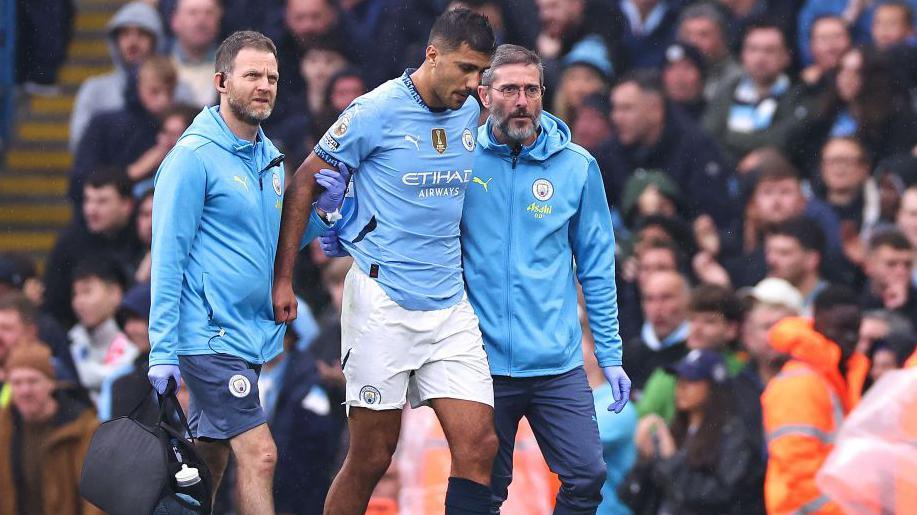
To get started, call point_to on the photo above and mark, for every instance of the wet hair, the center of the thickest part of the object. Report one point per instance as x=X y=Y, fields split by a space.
x=458 y=26
x=232 y=45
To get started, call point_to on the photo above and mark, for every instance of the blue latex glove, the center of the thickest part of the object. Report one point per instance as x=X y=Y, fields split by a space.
x=331 y=245
x=159 y=376
x=335 y=184
x=620 y=387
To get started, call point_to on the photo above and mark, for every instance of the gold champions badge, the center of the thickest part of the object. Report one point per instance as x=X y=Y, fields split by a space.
x=439 y=140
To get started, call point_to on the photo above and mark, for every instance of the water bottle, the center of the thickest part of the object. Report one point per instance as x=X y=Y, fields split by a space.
x=187 y=476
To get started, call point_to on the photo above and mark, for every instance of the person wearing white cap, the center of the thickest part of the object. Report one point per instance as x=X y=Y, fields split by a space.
x=770 y=301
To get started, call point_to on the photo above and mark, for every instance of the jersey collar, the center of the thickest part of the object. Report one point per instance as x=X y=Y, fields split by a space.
x=412 y=89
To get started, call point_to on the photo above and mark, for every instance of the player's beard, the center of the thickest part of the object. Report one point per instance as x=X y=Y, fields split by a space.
x=245 y=112
x=513 y=133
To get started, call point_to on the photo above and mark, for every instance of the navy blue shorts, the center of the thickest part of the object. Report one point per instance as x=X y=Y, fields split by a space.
x=224 y=395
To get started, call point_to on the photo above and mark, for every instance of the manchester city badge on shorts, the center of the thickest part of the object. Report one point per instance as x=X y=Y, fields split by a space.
x=370 y=395
x=543 y=189
x=239 y=386
x=468 y=140
x=276 y=182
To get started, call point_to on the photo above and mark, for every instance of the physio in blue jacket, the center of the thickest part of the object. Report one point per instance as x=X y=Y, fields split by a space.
x=216 y=217
x=536 y=221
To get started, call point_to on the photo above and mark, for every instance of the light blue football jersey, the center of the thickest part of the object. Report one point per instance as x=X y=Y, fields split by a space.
x=413 y=164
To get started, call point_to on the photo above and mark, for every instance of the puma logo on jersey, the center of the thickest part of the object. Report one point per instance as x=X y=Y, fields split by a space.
x=241 y=180
x=413 y=140
x=483 y=184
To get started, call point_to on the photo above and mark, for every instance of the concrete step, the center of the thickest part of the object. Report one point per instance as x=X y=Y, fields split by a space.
x=72 y=75
x=61 y=105
x=94 y=48
x=44 y=131
x=32 y=215
x=37 y=159
x=39 y=187
x=28 y=241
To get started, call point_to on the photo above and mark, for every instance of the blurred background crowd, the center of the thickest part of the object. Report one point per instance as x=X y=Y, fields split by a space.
x=754 y=153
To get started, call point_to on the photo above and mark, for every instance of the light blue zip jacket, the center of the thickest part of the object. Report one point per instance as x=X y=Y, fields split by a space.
x=526 y=219
x=216 y=219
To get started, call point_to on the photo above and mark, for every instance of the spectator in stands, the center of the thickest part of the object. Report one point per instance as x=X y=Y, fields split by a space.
x=196 y=27
x=592 y=124
x=566 y=24
x=906 y=220
x=805 y=404
x=586 y=71
x=683 y=79
x=107 y=208
x=326 y=349
x=318 y=65
x=829 y=40
x=704 y=462
x=44 y=438
x=664 y=297
x=714 y=318
x=616 y=430
x=793 y=251
x=20 y=322
x=652 y=135
x=648 y=193
x=651 y=257
x=306 y=426
x=127 y=386
x=120 y=137
x=97 y=344
x=761 y=107
x=776 y=195
x=704 y=26
x=864 y=101
x=173 y=123
x=649 y=28
x=769 y=302
x=144 y=222
x=43 y=31
x=888 y=265
x=892 y=24
x=308 y=23
x=889 y=354
x=133 y=35
x=880 y=324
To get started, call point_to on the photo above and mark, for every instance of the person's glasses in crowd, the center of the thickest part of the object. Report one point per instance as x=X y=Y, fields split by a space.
x=511 y=91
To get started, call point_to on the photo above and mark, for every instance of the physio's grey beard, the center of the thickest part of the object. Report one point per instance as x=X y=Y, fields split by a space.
x=516 y=135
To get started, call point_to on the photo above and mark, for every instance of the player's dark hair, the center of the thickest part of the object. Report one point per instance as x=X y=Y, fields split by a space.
x=804 y=230
x=458 y=26
x=110 y=176
x=235 y=42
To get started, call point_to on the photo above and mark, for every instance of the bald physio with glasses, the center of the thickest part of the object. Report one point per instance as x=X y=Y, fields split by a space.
x=548 y=195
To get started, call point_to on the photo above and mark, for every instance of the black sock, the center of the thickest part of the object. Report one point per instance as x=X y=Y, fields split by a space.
x=465 y=497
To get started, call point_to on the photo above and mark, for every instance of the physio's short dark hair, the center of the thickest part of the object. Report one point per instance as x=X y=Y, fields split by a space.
x=458 y=26
x=235 y=42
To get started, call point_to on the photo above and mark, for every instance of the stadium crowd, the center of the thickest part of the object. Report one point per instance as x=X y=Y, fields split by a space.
x=760 y=163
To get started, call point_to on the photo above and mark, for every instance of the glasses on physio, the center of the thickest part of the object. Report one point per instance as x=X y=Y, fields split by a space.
x=511 y=91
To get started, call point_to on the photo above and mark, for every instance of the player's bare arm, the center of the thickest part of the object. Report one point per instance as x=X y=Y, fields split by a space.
x=294 y=218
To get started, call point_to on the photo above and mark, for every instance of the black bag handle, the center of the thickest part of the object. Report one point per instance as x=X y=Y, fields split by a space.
x=169 y=398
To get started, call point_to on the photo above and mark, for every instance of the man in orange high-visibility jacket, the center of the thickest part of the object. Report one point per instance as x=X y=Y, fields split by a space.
x=804 y=405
